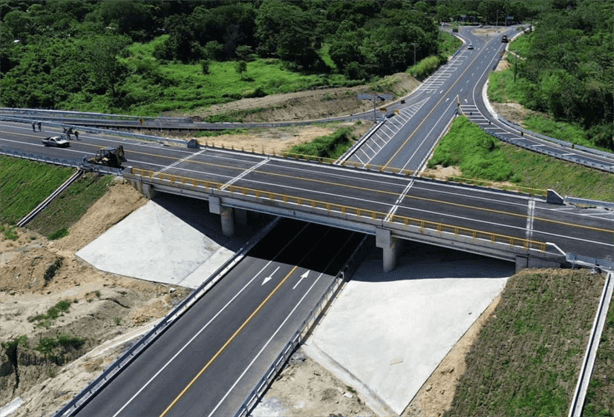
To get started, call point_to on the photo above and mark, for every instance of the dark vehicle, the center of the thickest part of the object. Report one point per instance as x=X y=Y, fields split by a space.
x=470 y=46
x=504 y=38
x=111 y=157
x=57 y=141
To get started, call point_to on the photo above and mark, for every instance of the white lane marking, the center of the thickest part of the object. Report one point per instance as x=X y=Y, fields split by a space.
x=394 y=208
x=243 y=174
x=204 y=327
x=270 y=277
x=174 y=164
x=425 y=138
x=509 y=226
x=265 y=345
x=305 y=275
x=531 y=212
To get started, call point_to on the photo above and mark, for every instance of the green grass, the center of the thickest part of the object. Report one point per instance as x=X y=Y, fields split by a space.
x=47 y=319
x=448 y=44
x=69 y=206
x=477 y=154
x=25 y=184
x=502 y=88
x=600 y=393
x=8 y=232
x=427 y=66
x=514 y=368
x=331 y=146
x=560 y=130
x=534 y=170
x=522 y=44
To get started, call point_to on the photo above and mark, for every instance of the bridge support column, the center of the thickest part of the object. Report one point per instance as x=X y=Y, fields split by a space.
x=241 y=217
x=226 y=214
x=148 y=191
x=390 y=246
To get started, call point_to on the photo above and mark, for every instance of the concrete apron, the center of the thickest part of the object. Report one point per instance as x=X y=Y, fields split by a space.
x=387 y=333
x=155 y=245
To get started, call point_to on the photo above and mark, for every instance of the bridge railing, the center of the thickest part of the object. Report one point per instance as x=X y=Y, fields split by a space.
x=330 y=209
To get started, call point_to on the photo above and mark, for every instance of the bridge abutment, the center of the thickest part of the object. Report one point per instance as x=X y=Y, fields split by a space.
x=390 y=246
x=526 y=261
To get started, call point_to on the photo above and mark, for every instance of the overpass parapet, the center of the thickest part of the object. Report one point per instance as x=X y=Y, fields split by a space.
x=395 y=227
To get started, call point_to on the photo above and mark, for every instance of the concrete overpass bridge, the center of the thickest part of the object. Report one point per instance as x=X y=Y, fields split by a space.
x=529 y=230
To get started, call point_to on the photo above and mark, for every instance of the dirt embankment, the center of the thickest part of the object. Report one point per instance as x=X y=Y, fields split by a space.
x=66 y=308
x=309 y=105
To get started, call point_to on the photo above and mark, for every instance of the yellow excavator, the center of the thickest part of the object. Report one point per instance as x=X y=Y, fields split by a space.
x=111 y=157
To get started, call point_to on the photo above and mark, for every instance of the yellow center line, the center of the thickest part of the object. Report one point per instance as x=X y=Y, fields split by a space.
x=219 y=352
x=432 y=110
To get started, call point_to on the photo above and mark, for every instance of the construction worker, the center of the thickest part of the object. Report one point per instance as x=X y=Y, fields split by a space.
x=34 y=126
x=40 y=127
x=77 y=134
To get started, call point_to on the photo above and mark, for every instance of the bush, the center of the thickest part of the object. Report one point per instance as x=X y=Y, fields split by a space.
x=58 y=234
x=50 y=272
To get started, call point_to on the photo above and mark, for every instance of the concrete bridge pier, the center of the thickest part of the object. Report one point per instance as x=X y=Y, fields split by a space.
x=240 y=217
x=226 y=214
x=390 y=246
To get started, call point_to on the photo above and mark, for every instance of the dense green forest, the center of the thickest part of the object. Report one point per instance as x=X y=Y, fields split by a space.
x=88 y=54
x=566 y=65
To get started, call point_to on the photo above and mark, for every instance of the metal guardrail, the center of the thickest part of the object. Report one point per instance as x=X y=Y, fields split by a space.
x=539 y=149
x=100 y=131
x=303 y=331
x=126 y=359
x=577 y=402
x=49 y=199
x=40 y=158
x=332 y=209
x=585 y=201
x=557 y=141
x=588 y=261
x=83 y=164
x=34 y=113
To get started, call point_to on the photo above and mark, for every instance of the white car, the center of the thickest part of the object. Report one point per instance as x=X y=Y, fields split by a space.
x=470 y=46
x=57 y=141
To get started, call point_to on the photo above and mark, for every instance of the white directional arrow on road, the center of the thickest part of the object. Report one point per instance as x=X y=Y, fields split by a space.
x=270 y=277
x=302 y=278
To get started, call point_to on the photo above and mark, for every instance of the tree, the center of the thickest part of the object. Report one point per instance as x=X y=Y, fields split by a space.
x=102 y=56
x=241 y=67
x=204 y=66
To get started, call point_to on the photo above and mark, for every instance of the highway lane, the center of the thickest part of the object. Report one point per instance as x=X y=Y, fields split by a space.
x=211 y=358
x=352 y=190
x=408 y=144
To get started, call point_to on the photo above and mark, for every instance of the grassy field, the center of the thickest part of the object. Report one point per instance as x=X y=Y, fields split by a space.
x=25 y=184
x=600 y=393
x=522 y=44
x=527 y=357
x=155 y=88
x=69 y=206
x=478 y=155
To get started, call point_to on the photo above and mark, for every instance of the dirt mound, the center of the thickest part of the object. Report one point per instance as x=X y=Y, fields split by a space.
x=121 y=200
x=309 y=105
x=56 y=308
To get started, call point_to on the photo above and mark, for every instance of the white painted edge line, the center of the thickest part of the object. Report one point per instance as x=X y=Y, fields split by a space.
x=579 y=397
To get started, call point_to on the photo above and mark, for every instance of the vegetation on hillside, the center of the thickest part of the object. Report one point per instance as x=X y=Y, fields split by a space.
x=480 y=156
x=330 y=146
x=567 y=70
x=151 y=56
x=527 y=357
x=25 y=184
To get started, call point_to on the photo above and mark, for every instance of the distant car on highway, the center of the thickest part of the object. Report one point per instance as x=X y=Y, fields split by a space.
x=470 y=46
x=57 y=141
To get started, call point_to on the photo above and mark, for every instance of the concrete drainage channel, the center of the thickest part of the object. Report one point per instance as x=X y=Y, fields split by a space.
x=586 y=371
x=49 y=199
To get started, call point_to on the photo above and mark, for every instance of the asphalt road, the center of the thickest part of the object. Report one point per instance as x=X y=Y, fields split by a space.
x=209 y=361
x=353 y=190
